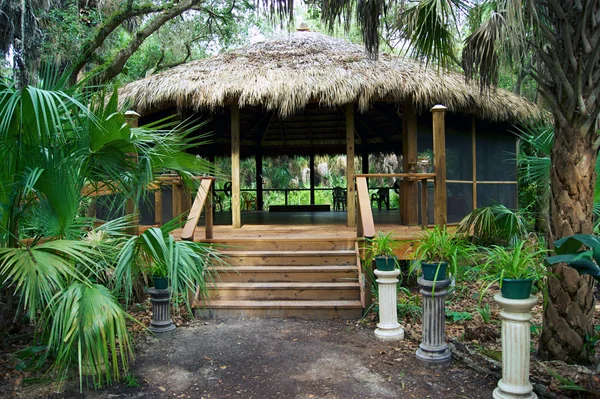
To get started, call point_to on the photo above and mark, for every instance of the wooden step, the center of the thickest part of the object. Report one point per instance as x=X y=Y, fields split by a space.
x=349 y=309
x=286 y=291
x=287 y=273
x=289 y=258
x=282 y=244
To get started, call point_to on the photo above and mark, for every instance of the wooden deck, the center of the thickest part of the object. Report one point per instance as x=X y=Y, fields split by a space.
x=301 y=225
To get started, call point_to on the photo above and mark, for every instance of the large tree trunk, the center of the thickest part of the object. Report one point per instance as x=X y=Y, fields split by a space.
x=569 y=311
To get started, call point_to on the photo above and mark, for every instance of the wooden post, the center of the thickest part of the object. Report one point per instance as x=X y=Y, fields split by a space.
x=311 y=165
x=176 y=190
x=259 y=186
x=409 y=211
x=208 y=215
x=131 y=208
x=158 y=206
x=439 y=164
x=236 y=215
x=424 y=204
x=351 y=202
x=474 y=150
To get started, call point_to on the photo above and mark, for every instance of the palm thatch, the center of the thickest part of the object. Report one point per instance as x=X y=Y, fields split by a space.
x=284 y=75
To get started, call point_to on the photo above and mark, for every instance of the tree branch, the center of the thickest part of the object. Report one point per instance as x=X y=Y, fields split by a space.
x=112 y=23
x=107 y=72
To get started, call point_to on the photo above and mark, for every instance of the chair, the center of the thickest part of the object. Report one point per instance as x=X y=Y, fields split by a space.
x=381 y=197
x=339 y=199
x=217 y=202
x=249 y=200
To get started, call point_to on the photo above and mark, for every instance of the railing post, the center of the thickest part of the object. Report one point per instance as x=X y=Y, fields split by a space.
x=424 y=204
x=132 y=118
x=208 y=216
x=439 y=164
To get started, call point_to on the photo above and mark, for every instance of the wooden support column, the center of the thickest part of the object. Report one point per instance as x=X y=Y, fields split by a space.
x=236 y=215
x=439 y=164
x=351 y=202
x=259 y=186
x=474 y=150
x=131 y=208
x=409 y=210
x=311 y=165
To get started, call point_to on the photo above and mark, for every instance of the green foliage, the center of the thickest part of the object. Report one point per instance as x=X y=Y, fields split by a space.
x=409 y=305
x=439 y=245
x=78 y=333
x=495 y=224
x=580 y=251
x=485 y=313
x=521 y=261
x=184 y=262
x=59 y=264
x=456 y=317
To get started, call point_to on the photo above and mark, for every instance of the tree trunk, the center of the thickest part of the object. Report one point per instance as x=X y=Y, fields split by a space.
x=569 y=311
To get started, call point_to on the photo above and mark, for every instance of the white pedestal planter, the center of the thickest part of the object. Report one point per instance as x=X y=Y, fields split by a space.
x=433 y=351
x=516 y=339
x=388 y=327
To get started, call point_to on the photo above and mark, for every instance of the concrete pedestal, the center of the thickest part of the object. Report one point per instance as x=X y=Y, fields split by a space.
x=161 y=311
x=516 y=339
x=433 y=351
x=388 y=327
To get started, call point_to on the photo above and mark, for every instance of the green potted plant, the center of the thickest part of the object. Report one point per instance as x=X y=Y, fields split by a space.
x=381 y=250
x=438 y=253
x=514 y=268
x=160 y=275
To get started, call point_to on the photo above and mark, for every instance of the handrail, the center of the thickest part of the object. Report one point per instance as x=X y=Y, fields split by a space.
x=365 y=225
x=203 y=198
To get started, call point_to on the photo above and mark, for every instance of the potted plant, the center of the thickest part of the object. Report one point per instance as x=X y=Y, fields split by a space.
x=438 y=253
x=514 y=268
x=381 y=250
x=160 y=275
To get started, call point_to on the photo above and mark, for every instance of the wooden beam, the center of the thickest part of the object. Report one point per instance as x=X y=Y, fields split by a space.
x=202 y=197
x=259 y=186
x=424 y=204
x=236 y=214
x=474 y=150
x=409 y=211
x=158 y=206
x=176 y=191
x=311 y=165
x=351 y=204
x=439 y=164
x=367 y=226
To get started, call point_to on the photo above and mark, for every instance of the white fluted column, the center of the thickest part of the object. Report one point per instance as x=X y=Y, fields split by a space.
x=516 y=338
x=388 y=327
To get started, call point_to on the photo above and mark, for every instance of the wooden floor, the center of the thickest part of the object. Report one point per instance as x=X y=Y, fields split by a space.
x=302 y=225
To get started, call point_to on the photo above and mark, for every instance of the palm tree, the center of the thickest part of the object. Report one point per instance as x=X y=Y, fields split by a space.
x=564 y=38
x=51 y=255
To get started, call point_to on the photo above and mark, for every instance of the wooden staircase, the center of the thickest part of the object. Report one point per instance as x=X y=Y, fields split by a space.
x=284 y=277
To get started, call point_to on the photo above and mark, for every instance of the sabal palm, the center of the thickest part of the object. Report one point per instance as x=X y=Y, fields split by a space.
x=52 y=145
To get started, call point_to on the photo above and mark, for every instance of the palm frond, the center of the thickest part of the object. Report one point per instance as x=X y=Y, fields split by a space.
x=87 y=328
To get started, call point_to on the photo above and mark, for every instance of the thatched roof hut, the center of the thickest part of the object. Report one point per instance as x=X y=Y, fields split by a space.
x=284 y=75
x=312 y=94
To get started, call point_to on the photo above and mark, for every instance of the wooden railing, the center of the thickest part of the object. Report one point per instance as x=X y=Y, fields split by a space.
x=180 y=201
x=365 y=225
x=203 y=200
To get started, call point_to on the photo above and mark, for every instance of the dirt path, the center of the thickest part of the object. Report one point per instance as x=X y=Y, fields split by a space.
x=274 y=358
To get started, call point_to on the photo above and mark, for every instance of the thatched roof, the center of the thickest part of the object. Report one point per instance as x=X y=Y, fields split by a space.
x=284 y=75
